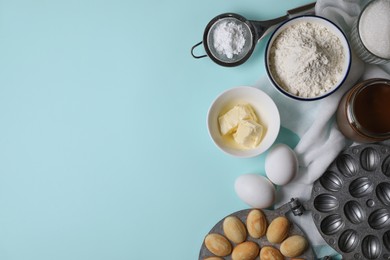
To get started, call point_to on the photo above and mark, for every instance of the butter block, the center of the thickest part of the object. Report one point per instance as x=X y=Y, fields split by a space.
x=228 y=122
x=248 y=133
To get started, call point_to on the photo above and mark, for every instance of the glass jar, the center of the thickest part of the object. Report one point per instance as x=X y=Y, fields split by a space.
x=363 y=114
x=370 y=33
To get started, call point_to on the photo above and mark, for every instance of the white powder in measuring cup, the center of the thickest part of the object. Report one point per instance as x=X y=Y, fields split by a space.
x=374 y=28
x=306 y=59
x=229 y=38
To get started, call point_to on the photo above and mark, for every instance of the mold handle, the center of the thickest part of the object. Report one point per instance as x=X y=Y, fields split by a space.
x=192 y=51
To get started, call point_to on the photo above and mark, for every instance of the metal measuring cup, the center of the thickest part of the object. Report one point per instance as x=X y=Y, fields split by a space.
x=253 y=32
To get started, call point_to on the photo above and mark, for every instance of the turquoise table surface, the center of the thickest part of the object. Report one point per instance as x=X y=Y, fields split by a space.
x=104 y=149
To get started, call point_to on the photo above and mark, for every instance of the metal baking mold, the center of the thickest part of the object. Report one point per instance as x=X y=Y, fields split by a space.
x=270 y=215
x=350 y=203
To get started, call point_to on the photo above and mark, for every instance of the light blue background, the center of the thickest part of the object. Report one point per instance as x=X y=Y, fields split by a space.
x=104 y=150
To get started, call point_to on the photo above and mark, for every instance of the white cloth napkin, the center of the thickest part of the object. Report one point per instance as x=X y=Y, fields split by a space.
x=314 y=121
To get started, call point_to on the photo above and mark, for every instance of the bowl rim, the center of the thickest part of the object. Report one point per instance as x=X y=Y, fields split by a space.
x=348 y=52
x=245 y=153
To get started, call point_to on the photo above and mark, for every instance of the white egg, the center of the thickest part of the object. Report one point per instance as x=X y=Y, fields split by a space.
x=255 y=190
x=281 y=164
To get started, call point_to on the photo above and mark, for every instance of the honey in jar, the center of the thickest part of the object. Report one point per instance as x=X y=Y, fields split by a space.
x=363 y=114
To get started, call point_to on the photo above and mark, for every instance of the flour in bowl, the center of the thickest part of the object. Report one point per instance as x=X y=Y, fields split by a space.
x=306 y=59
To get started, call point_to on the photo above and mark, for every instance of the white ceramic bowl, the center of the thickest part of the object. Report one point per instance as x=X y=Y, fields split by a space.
x=315 y=20
x=264 y=108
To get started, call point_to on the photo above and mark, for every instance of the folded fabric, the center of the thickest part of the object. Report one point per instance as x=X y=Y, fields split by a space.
x=314 y=121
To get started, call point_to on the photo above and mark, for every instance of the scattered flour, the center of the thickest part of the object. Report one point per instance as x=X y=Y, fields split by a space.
x=307 y=59
x=229 y=38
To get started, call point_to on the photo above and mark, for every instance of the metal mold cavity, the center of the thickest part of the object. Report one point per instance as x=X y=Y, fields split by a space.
x=371 y=247
x=331 y=181
x=386 y=240
x=354 y=212
x=332 y=224
x=361 y=187
x=383 y=193
x=379 y=219
x=347 y=165
x=386 y=167
x=348 y=241
x=326 y=203
x=369 y=159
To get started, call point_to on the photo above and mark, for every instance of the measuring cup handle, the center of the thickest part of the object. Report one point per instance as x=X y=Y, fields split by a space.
x=192 y=51
x=306 y=9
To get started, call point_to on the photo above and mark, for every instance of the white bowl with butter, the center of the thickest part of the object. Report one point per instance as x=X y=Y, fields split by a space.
x=243 y=121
